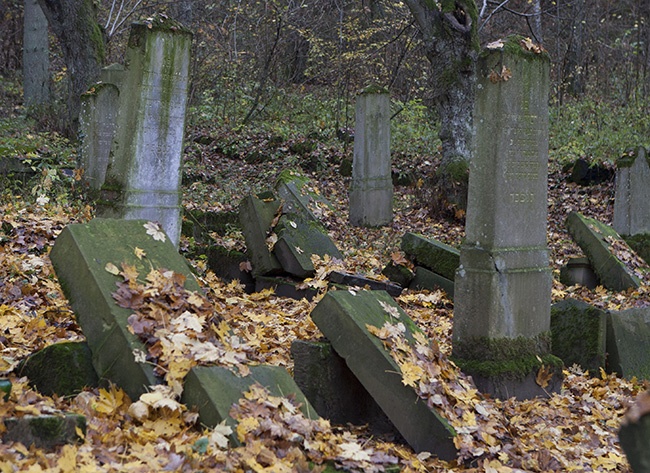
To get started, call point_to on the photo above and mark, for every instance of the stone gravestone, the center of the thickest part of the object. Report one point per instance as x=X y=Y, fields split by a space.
x=631 y=210
x=371 y=192
x=144 y=174
x=503 y=283
x=97 y=123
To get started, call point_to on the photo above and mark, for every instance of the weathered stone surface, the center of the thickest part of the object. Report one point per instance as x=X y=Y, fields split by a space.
x=298 y=239
x=432 y=254
x=599 y=241
x=144 y=173
x=230 y=265
x=357 y=280
x=640 y=243
x=342 y=317
x=200 y=224
x=79 y=256
x=97 y=125
x=333 y=390
x=398 y=273
x=64 y=369
x=300 y=195
x=371 y=189
x=634 y=435
x=212 y=391
x=578 y=271
x=628 y=338
x=44 y=431
x=578 y=332
x=284 y=287
x=256 y=216
x=631 y=209
x=425 y=279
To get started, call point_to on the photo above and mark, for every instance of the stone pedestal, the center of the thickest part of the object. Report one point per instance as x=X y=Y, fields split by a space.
x=371 y=192
x=144 y=174
x=631 y=209
x=502 y=290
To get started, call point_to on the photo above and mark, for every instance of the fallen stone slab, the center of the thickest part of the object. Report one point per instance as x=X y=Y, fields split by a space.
x=213 y=390
x=256 y=215
x=285 y=287
x=64 y=369
x=343 y=317
x=640 y=243
x=356 y=280
x=398 y=273
x=634 y=435
x=298 y=240
x=628 y=338
x=601 y=244
x=578 y=333
x=336 y=394
x=230 y=265
x=578 y=271
x=45 y=431
x=300 y=195
x=425 y=279
x=440 y=258
x=79 y=256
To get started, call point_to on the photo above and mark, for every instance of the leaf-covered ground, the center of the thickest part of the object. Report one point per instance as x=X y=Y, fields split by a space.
x=575 y=430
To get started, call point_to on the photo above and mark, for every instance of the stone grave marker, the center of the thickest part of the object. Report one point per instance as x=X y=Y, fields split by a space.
x=256 y=215
x=45 y=431
x=79 y=256
x=371 y=191
x=628 y=338
x=144 y=174
x=434 y=255
x=97 y=124
x=300 y=195
x=604 y=248
x=343 y=317
x=631 y=209
x=502 y=291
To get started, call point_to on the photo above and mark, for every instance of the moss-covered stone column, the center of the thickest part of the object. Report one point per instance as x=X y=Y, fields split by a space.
x=144 y=174
x=371 y=192
x=503 y=283
x=631 y=209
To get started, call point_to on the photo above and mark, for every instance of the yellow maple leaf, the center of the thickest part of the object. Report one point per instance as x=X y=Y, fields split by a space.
x=245 y=426
x=411 y=374
x=110 y=401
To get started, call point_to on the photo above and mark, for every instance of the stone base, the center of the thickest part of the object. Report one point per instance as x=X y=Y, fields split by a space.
x=505 y=387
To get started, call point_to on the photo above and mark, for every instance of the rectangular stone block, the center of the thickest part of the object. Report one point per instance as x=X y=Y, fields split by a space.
x=300 y=195
x=425 y=279
x=578 y=333
x=600 y=243
x=631 y=209
x=628 y=339
x=356 y=280
x=256 y=216
x=334 y=391
x=45 y=431
x=79 y=256
x=213 y=390
x=342 y=317
x=434 y=255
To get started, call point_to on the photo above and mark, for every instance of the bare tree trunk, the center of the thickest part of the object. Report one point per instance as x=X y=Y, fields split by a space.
x=36 y=60
x=74 y=22
x=536 y=22
x=574 y=64
x=451 y=44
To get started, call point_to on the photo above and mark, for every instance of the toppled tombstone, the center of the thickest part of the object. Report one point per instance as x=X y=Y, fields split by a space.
x=300 y=195
x=436 y=256
x=578 y=332
x=430 y=281
x=628 y=338
x=357 y=280
x=64 y=369
x=615 y=263
x=87 y=258
x=631 y=210
x=585 y=173
x=297 y=240
x=579 y=271
x=334 y=391
x=640 y=243
x=634 y=435
x=230 y=265
x=344 y=317
x=213 y=390
x=45 y=431
x=256 y=215
x=398 y=273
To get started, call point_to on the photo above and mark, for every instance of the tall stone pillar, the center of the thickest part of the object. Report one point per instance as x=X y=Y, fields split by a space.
x=371 y=192
x=503 y=284
x=144 y=174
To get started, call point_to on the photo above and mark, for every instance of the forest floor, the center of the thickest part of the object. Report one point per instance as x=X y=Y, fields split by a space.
x=574 y=430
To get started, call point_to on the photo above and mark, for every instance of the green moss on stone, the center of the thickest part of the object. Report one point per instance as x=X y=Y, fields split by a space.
x=513 y=45
x=374 y=89
x=640 y=243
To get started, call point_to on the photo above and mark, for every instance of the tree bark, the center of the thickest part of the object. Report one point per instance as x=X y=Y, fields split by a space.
x=574 y=65
x=74 y=22
x=36 y=60
x=449 y=32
